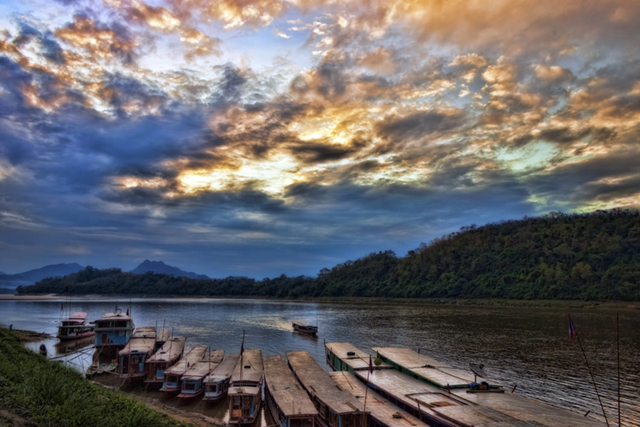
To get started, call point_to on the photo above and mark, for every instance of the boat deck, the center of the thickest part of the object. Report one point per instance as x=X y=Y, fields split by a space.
x=204 y=367
x=385 y=412
x=429 y=369
x=320 y=385
x=224 y=370
x=288 y=394
x=194 y=356
x=352 y=356
x=171 y=350
x=248 y=373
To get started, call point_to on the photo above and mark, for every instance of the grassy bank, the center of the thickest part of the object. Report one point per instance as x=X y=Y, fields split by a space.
x=37 y=391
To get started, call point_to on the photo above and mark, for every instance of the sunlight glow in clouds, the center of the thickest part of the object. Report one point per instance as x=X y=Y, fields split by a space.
x=126 y=119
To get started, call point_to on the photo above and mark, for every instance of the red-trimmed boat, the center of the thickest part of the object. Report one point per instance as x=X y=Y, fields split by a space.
x=75 y=328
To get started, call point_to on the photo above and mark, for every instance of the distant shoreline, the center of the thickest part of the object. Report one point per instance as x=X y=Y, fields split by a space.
x=624 y=305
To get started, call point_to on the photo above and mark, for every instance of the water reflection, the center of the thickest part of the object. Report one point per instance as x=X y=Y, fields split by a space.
x=527 y=347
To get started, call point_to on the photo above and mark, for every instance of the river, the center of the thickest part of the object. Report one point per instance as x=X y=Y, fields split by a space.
x=527 y=347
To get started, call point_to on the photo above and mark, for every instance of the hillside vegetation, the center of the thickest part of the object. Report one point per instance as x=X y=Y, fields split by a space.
x=592 y=256
x=40 y=392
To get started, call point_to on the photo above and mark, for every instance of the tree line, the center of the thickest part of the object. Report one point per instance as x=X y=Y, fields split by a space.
x=593 y=256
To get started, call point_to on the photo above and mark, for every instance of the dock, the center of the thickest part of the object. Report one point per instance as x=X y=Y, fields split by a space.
x=383 y=413
x=286 y=399
x=170 y=352
x=192 y=379
x=335 y=407
x=216 y=384
x=245 y=388
x=173 y=376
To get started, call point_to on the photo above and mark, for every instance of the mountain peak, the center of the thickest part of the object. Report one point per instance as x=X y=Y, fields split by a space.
x=162 y=268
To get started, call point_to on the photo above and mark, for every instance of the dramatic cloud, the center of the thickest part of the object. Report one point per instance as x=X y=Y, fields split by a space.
x=262 y=137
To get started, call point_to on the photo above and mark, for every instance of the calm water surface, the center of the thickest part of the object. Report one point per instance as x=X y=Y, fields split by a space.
x=527 y=347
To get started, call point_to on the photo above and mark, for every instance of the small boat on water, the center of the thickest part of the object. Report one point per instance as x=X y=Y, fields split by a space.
x=303 y=327
x=173 y=376
x=246 y=388
x=75 y=327
x=164 y=358
x=287 y=401
x=144 y=342
x=216 y=384
x=193 y=379
x=112 y=333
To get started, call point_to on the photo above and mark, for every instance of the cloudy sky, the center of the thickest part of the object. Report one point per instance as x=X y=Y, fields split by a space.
x=261 y=137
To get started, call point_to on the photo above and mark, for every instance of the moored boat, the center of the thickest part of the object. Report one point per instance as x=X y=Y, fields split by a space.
x=246 y=388
x=75 y=327
x=112 y=333
x=133 y=356
x=287 y=401
x=173 y=375
x=336 y=407
x=303 y=327
x=193 y=379
x=216 y=384
x=170 y=352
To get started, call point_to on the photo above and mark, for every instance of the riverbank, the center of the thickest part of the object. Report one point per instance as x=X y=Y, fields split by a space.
x=612 y=305
x=37 y=391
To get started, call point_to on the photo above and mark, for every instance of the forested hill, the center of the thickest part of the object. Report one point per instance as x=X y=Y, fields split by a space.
x=589 y=256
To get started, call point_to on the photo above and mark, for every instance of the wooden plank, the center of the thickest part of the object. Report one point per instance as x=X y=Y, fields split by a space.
x=291 y=398
x=385 y=412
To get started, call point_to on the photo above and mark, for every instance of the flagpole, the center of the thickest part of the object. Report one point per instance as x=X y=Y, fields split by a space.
x=575 y=333
x=618 y=345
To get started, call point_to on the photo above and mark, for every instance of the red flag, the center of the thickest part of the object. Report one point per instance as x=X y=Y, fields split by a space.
x=370 y=365
x=572 y=329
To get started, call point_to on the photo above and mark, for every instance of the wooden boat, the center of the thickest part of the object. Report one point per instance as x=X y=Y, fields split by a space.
x=193 y=379
x=419 y=395
x=133 y=356
x=383 y=413
x=173 y=376
x=346 y=357
x=216 y=384
x=246 y=388
x=75 y=328
x=164 y=358
x=287 y=401
x=303 y=327
x=112 y=333
x=336 y=407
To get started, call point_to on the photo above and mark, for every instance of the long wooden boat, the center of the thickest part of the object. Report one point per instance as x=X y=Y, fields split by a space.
x=287 y=401
x=303 y=327
x=112 y=333
x=383 y=413
x=75 y=327
x=246 y=388
x=216 y=384
x=453 y=405
x=165 y=357
x=336 y=407
x=192 y=380
x=133 y=356
x=173 y=376
x=343 y=356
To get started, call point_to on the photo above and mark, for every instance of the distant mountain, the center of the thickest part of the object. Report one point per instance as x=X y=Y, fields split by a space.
x=2 y=273
x=32 y=276
x=162 y=268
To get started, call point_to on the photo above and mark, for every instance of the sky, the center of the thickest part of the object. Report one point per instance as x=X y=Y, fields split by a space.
x=265 y=137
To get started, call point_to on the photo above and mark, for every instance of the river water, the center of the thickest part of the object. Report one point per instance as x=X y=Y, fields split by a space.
x=522 y=347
